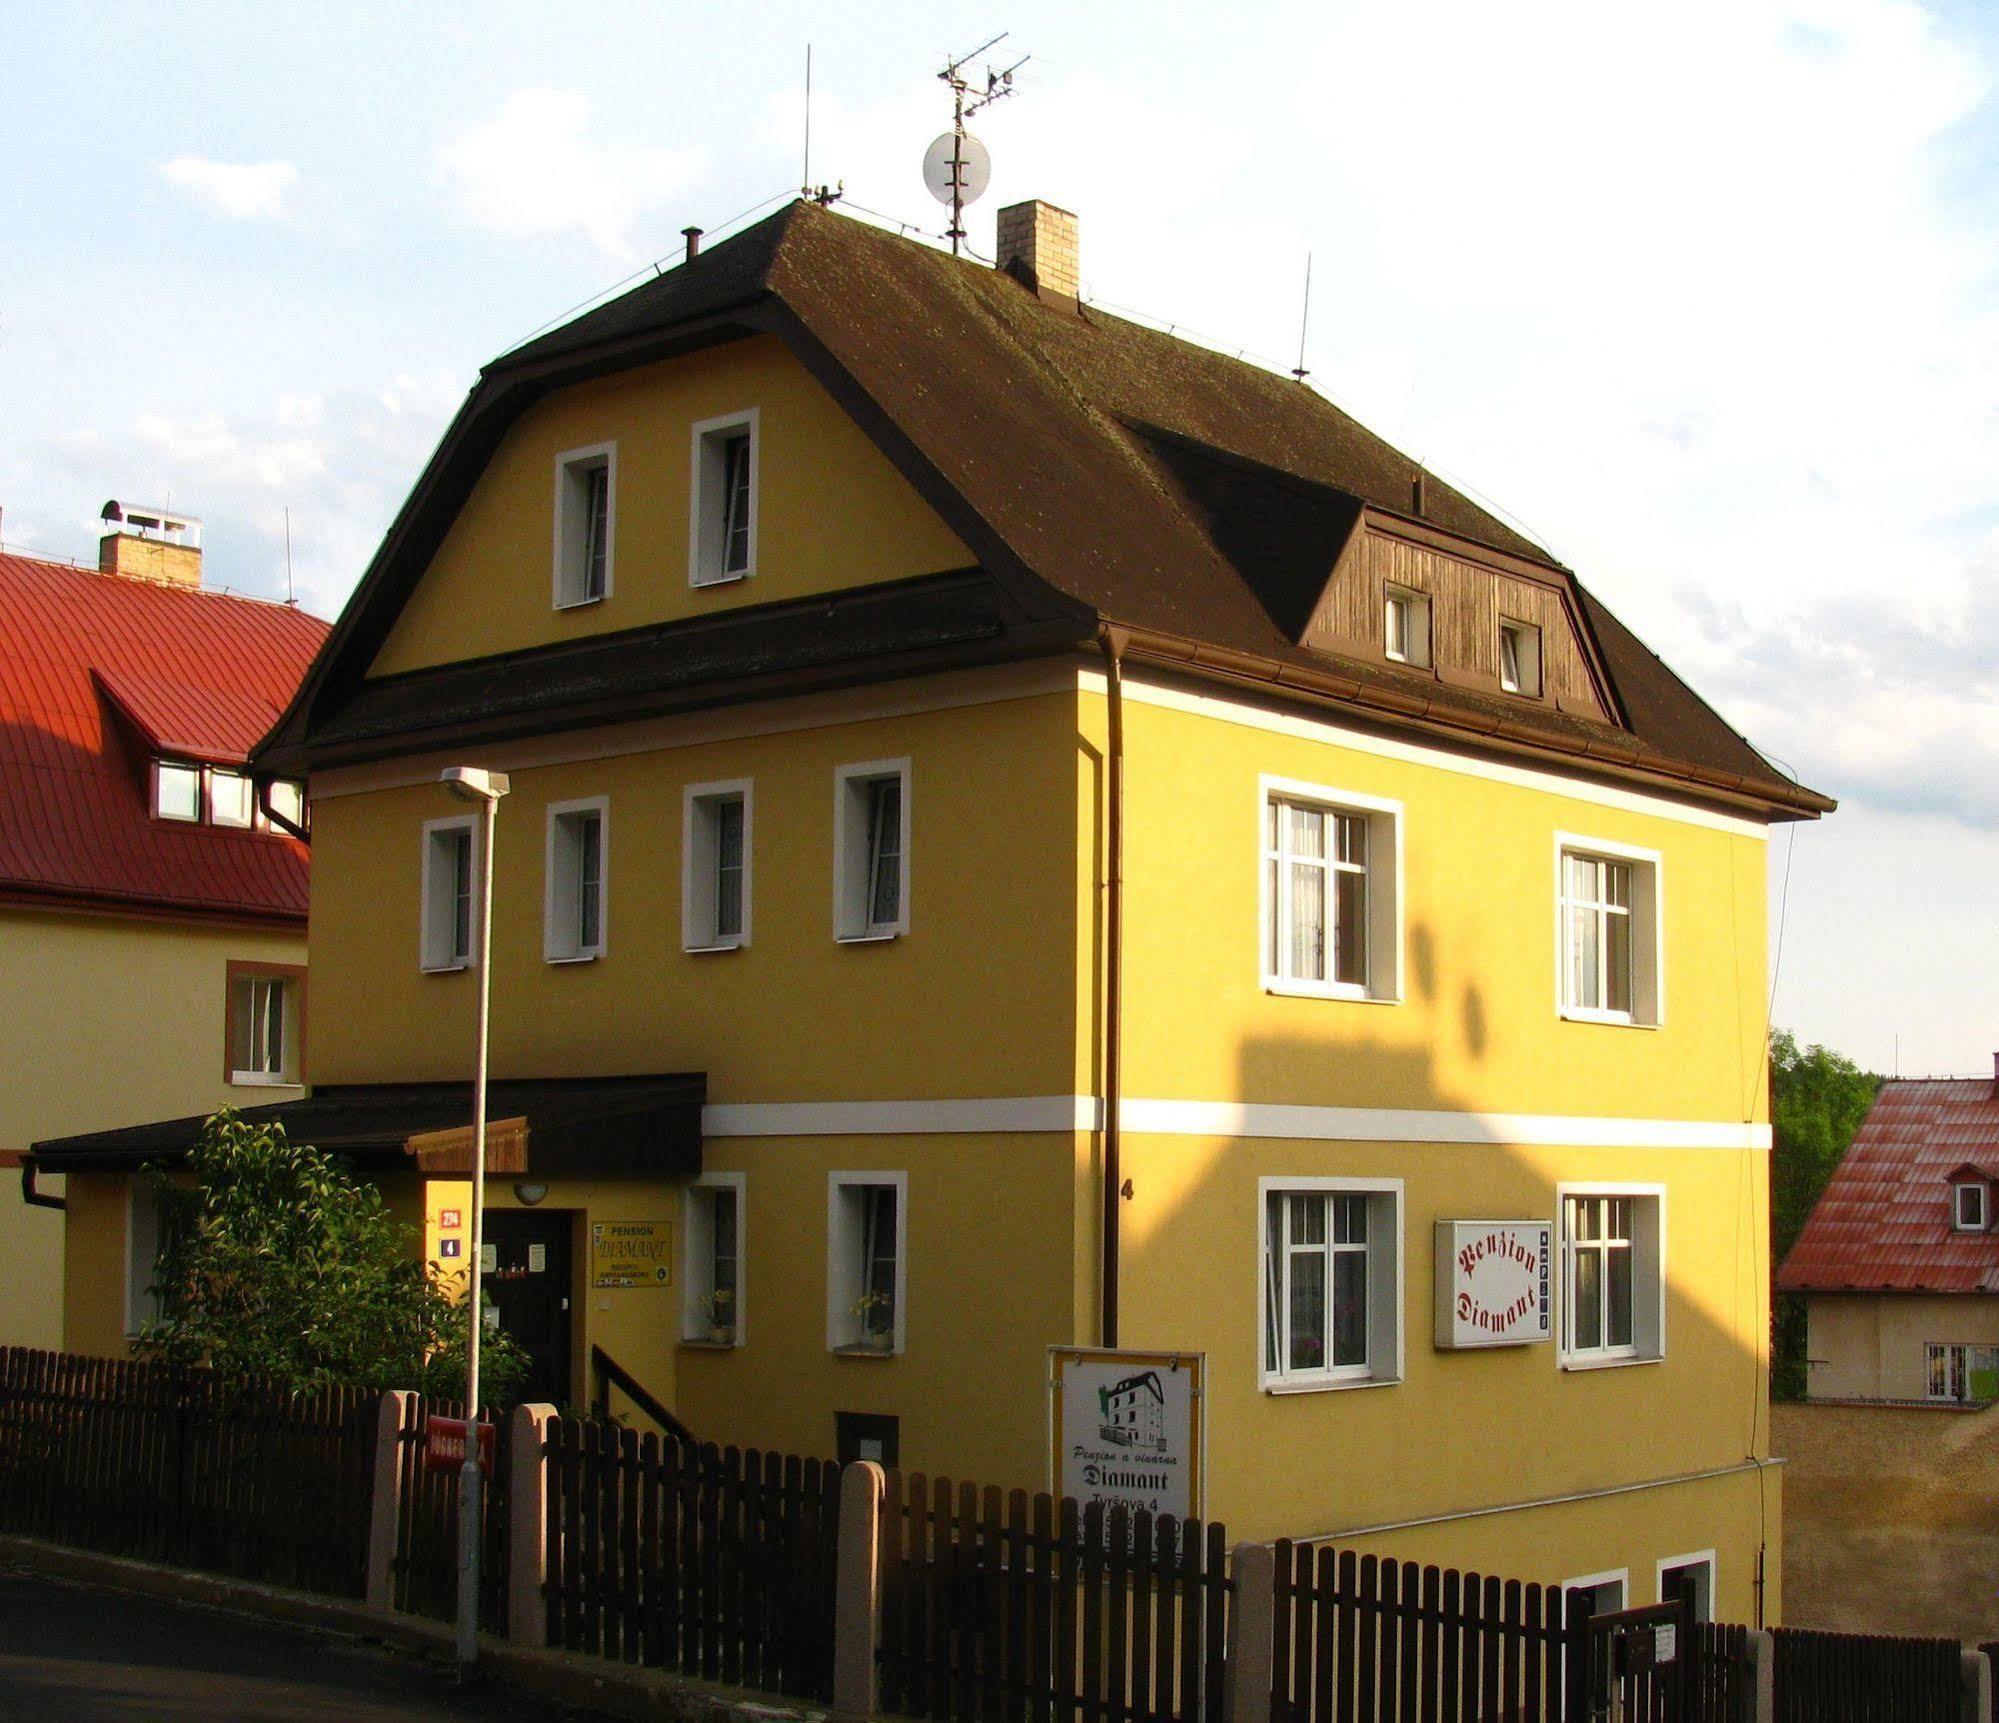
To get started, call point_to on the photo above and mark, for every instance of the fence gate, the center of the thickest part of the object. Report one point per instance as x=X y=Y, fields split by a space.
x=1639 y=1661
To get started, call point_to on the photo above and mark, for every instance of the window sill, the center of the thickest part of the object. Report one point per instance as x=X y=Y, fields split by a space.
x=865 y=1352
x=879 y=938
x=261 y=1080
x=1307 y=990
x=1332 y=1385
x=462 y=964
x=722 y=945
x=575 y=957
x=701 y=580
x=694 y=1344
x=1614 y=1019
x=581 y=603
x=1620 y=1361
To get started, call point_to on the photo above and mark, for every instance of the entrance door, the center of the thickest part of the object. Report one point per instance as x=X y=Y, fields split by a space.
x=529 y=1283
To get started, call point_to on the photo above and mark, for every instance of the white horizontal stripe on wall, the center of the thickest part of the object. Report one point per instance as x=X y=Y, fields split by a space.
x=1555 y=783
x=1259 y=1119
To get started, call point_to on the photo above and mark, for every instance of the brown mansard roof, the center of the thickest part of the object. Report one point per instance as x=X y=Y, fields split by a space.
x=1103 y=473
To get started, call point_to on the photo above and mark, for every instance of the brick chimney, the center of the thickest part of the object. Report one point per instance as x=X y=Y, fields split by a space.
x=141 y=543
x=1037 y=247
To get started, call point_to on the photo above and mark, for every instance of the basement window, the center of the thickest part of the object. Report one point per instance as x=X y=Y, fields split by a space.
x=573 y=927
x=722 y=543
x=585 y=524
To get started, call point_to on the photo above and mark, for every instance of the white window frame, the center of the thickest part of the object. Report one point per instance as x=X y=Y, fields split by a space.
x=1648 y=1277
x=844 y=1268
x=570 y=562
x=1958 y=1192
x=1968 y=1359
x=436 y=909
x=200 y=791
x=1694 y=1558
x=708 y=502
x=139 y=1194
x=1618 y=1576
x=1648 y=931
x=696 y=1246
x=1384 y=816
x=1386 y=1340
x=698 y=862
x=286 y=1075
x=1527 y=653
x=561 y=940
x=852 y=857
x=245 y=796
x=285 y=789
x=1416 y=645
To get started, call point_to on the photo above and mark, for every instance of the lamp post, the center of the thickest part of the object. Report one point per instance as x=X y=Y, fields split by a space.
x=474 y=784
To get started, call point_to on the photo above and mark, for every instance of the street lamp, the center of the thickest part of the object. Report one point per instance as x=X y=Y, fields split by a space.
x=475 y=784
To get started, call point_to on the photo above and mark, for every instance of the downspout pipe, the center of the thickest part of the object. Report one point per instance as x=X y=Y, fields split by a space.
x=34 y=1198
x=1113 y=643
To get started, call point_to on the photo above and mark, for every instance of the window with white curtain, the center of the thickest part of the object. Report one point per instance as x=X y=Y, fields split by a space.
x=1609 y=947
x=1331 y=879
x=1331 y=1279
x=1613 y=1274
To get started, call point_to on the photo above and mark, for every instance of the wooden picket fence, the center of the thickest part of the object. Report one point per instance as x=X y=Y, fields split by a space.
x=1866 y=1678
x=1361 y=1637
x=1044 y=1613
x=1723 y=1678
x=718 y=1562
x=185 y=1467
x=425 y=1567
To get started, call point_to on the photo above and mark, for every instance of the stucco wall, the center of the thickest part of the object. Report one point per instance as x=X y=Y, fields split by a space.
x=1873 y=1348
x=1891 y=1519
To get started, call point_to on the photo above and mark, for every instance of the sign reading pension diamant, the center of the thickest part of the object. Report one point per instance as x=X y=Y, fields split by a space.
x=1126 y=1427
x=1492 y=1283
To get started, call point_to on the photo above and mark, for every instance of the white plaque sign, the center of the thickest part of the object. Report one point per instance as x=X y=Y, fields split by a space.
x=1126 y=1427
x=1492 y=1283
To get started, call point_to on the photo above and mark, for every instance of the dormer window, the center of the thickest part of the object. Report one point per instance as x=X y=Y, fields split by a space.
x=1406 y=625
x=1970 y=1205
x=1520 y=658
x=176 y=790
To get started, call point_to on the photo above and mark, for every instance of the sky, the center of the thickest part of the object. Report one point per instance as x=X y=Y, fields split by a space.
x=1703 y=298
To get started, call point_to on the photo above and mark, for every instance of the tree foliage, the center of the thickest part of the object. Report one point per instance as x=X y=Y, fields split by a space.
x=278 y=1263
x=1818 y=1101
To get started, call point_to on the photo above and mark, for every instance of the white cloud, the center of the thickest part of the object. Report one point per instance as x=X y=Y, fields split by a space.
x=243 y=191
x=534 y=172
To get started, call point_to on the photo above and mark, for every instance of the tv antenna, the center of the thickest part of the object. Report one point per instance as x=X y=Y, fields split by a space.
x=1304 y=323
x=957 y=167
x=822 y=195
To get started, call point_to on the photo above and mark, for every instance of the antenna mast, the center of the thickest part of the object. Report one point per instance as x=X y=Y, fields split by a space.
x=1304 y=322
x=290 y=596
x=973 y=163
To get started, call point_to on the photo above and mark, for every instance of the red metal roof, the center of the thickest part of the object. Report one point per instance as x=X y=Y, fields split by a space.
x=97 y=674
x=1884 y=1222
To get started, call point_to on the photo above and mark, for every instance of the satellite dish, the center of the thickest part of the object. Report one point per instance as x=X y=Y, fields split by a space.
x=957 y=168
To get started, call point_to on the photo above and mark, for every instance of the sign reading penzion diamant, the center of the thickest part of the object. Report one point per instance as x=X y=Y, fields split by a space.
x=1493 y=1283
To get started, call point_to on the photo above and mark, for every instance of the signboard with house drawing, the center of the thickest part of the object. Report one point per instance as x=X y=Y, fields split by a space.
x=1128 y=1427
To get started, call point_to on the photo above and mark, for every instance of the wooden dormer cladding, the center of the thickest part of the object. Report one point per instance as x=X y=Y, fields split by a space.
x=1468 y=600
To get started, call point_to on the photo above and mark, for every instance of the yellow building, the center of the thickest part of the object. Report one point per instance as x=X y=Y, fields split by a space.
x=152 y=916
x=1024 y=832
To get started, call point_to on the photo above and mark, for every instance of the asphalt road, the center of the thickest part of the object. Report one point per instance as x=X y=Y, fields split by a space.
x=82 y=1652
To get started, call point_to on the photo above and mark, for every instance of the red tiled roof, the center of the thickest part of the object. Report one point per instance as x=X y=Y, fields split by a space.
x=96 y=673
x=1884 y=1222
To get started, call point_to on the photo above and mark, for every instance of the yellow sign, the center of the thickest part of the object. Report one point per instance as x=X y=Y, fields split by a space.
x=631 y=1253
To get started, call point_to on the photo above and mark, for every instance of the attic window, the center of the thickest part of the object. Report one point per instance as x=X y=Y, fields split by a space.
x=722 y=541
x=585 y=523
x=1406 y=625
x=1520 y=658
x=1970 y=1206
x=176 y=790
